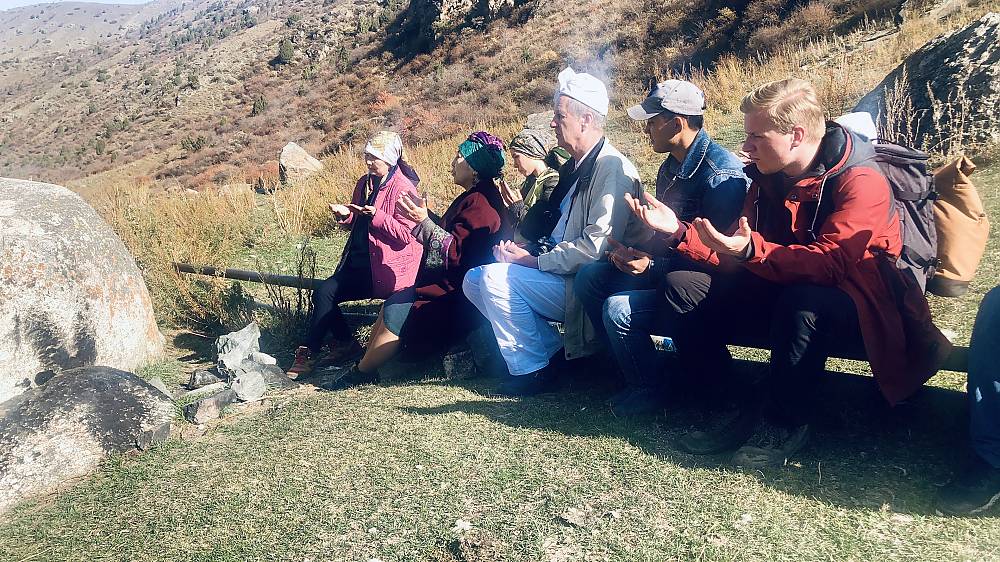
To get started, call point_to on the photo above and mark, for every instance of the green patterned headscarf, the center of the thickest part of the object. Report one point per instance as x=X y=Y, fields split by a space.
x=484 y=154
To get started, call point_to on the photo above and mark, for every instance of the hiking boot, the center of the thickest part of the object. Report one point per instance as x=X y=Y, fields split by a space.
x=974 y=491
x=349 y=377
x=774 y=447
x=303 y=365
x=539 y=382
x=341 y=352
x=637 y=401
x=736 y=428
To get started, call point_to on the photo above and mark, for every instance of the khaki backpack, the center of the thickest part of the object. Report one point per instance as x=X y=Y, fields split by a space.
x=962 y=228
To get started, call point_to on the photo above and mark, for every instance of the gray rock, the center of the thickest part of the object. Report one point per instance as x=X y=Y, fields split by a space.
x=70 y=293
x=274 y=377
x=911 y=9
x=62 y=430
x=458 y=364
x=250 y=386
x=234 y=347
x=158 y=384
x=953 y=87
x=208 y=389
x=541 y=123
x=209 y=408
x=295 y=164
x=262 y=358
x=153 y=436
x=201 y=378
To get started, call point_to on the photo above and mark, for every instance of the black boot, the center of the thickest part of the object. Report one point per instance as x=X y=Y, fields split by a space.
x=974 y=491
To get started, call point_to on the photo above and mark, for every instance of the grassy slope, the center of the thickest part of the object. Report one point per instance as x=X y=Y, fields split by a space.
x=385 y=473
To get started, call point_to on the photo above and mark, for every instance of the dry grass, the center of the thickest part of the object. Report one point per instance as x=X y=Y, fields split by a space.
x=218 y=227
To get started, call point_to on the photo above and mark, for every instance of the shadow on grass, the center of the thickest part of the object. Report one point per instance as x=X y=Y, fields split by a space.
x=863 y=454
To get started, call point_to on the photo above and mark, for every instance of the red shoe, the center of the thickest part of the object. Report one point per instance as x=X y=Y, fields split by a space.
x=303 y=364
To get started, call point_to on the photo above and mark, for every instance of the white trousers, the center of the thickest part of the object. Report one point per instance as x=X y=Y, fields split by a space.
x=519 y=302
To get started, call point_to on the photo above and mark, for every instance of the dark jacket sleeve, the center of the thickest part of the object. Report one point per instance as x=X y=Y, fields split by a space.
x=465 y=239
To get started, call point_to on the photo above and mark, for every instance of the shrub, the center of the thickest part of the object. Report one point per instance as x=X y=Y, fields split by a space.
x=193 y=144
x=286 y=51
x=259 y=105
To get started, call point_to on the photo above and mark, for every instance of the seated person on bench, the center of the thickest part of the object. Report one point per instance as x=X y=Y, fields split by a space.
x=433 y=314
x=523 y=292
x=699 y=178
x=380 y=257
x=814 y=277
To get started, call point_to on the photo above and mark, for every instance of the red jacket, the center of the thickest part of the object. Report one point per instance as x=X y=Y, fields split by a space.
x=860 y=230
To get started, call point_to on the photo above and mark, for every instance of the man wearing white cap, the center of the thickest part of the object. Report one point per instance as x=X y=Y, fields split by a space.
x=522 y=293
x=699 y=178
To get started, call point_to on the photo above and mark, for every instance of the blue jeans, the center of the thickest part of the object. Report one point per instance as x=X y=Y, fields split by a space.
x=629 y=319
x=984 y=380
x=597 y=281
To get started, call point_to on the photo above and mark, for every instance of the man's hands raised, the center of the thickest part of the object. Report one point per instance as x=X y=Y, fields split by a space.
x=654 y=213
x=735 y=245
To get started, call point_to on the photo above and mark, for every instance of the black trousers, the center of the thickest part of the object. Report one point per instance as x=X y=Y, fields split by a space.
x=801 y=324
x=350 y=282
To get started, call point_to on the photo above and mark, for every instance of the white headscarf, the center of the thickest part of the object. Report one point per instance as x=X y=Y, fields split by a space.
x=386 y=146
x=584 y=88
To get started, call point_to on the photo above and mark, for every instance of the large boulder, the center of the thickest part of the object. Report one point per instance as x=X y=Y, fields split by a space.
x=946 y=92
x=70 y=293
x=296 y=164
x=63 y=429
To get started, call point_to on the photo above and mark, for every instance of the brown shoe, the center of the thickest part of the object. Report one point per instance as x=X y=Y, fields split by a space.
x=341 y=352
x=303 y=364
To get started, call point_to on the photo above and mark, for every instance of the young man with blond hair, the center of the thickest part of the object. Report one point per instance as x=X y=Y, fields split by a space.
x=810 y=263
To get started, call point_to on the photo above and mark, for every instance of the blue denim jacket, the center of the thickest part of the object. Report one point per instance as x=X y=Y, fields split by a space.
x=710 y=183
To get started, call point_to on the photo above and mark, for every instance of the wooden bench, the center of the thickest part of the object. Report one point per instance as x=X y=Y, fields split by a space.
x=958 y=360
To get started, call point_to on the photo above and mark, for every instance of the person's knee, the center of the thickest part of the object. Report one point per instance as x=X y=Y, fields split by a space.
x=617 y=313
x=327 y=291
x=684 y=290
x=796 y=305
x=495 y=279
x=991 y=302
x=471 y=282
x=589 y=283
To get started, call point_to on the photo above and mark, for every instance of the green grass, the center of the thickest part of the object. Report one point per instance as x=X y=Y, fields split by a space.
x=386 y=472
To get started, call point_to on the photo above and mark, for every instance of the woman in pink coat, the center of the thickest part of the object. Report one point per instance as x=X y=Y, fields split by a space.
x=380 y=258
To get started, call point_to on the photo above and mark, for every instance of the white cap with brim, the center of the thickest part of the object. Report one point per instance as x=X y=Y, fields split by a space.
x=676 y=96
x=584 y=88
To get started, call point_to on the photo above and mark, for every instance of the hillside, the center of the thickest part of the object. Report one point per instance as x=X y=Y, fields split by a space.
x=195 y=93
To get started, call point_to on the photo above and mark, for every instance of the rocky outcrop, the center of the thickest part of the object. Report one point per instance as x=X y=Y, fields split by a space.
x=425 y=22
x=945 y=93
x=296 y=164
x=70 y=293
x=62 y=430
x=913 y=9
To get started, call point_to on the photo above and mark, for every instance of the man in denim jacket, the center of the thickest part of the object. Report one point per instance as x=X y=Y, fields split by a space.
x=699 y=178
